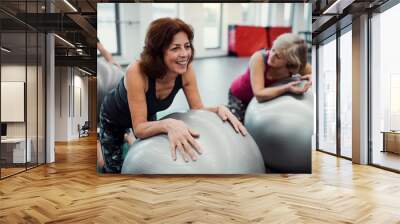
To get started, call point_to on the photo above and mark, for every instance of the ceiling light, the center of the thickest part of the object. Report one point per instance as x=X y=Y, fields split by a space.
x=84 y=71
x=65 y=41
x=70 y=5
x=337 y=7
x=5 y=50
x=331 y=7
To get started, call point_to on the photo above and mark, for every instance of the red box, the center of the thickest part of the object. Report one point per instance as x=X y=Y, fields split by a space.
x=245 y=40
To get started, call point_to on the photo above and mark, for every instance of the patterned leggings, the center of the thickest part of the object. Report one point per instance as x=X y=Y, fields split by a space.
x=111 y=140
x=236 y=106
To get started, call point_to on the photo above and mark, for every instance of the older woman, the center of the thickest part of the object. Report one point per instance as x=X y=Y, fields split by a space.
x=287 y=57
x=149 y=86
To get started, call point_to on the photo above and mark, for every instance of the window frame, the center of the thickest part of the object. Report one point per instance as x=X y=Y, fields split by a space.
x=219 y=29
x=117 y=31
x=329 y=36
x=379 y=10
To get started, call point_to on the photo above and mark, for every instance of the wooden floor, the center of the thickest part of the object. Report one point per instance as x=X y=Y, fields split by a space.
x=70 y=191
x=10 y=171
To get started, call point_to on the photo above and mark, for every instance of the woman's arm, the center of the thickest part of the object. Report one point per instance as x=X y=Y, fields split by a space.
x=136 y=91
x=180 y=136
x=193 y=97
x=107 y=55
x=257 y=68
x=262 y=93
x=191 y=90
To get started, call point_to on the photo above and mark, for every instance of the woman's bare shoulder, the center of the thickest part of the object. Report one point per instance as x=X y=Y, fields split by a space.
x=134 y=71
x=257 y=58
x=135 y=76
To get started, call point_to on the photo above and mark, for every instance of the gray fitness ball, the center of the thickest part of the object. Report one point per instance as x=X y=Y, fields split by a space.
x=108 y=76
x=282 y=128
x=224 y=151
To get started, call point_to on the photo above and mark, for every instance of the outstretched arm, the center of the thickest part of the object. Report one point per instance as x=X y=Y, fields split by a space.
x=107 y=55
x=136 y=90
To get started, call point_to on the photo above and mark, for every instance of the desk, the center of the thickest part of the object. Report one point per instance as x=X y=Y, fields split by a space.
x=391 y=141
x=15 y=148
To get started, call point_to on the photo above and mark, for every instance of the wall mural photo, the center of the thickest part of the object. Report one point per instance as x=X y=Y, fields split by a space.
x=213 y=91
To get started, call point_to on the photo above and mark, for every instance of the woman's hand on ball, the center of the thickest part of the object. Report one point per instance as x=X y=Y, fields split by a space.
x=224 y=113
x=181 y=138
x=293 y=87
x=308 y=79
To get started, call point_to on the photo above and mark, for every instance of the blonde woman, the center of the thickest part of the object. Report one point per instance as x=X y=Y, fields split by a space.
x=287 y=57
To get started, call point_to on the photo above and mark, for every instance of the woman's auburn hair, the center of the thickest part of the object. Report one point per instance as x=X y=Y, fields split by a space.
x=158 y=38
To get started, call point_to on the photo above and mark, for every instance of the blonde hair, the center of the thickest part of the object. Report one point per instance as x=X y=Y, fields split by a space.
x=294 y=49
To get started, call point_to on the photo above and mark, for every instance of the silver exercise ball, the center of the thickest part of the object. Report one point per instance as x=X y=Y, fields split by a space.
x=224 y=151
x=282 y=128
x=108 y=76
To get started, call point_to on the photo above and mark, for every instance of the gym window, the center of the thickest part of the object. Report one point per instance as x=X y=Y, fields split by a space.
x=108 y=28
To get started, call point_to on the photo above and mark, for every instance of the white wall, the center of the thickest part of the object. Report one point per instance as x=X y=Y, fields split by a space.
x=80 y=83
x=194 y=18
x=61 y=103
x=33 y=126
x=17 y=73
x=14 y=73
x=276 y=17
x=67 y=117
x=136 y=19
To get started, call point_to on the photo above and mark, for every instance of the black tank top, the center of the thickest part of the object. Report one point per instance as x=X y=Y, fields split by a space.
x=115 y=106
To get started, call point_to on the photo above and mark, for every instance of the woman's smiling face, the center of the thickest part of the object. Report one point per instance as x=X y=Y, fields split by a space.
x=178 y=53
